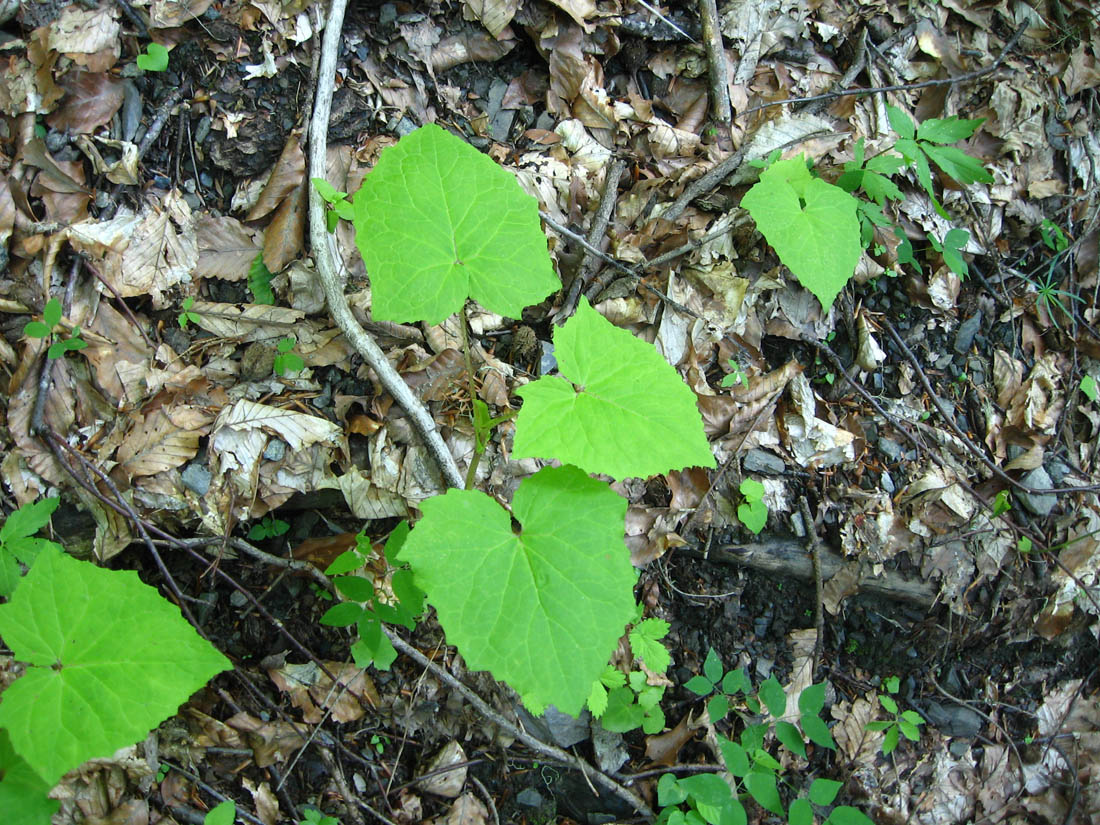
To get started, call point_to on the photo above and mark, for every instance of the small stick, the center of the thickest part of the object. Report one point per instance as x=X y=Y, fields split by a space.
x=717 y=64
x=595 y=237
x=819 y=587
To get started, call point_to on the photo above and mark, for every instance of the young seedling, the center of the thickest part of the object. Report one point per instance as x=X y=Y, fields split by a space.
x=907 y=722
x=51 y=317
x=752 y=511
x=315 y=817
x=187 y=317
x=340 y=207
x=259 y=282
x=951 y=249
x=224 y=813
x=1089 y=388
x=269 y=528
x=286 y=360
x=623 y=702
x=154 y=59
x=736 y=375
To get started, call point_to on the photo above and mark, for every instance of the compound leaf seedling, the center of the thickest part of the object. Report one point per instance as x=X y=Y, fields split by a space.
x=187 y=317
x=553 y=593
x=630 y=413
x=438 y=222
x=108 y=659
x=339 y=205
x=51 y=317
x=286 y=360
x=269 y=528
x=811 y=224
x=16 y=543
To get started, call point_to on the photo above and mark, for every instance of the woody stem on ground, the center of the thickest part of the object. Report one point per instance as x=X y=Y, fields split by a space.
x=326 y=267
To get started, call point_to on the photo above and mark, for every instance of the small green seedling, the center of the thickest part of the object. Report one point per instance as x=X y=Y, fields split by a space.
x=623 y=702
x=722 y=686
x=286 y=360
x=155 y=58
x=379 y=743
x=736 y=376
x=1053 y=236
x=340 y=207
x=315 y=817
x=364 y=609
x=1023 y=546
x=951 y=249
x=484 y=424
x=224 y=813
x=927 y=142
x=51 y=317
x=1002 y=503
x=269 y=528
x=752 y=511
x=259 y=282
x=187 y=317
x=907 y=722
x=1089 y=388
x=162 y=772
x=1047 y=291
x=17 y=547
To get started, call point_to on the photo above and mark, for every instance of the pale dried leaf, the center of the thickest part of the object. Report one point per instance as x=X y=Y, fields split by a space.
x=467 y=810
x=156 y=444
x=168 y=14
x=80 y=31
x=287 y=175
x=449 y=783
x=494 y=15
x=226 y=247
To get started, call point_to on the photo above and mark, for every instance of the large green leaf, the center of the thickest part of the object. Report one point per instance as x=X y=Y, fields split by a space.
x=22 y=792
x=108 y=660
x=811 y=224
x=541 y=606
x=619 y=409
x=438 y=222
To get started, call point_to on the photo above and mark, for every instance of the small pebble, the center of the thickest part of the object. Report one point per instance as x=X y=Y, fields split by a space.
x=238 y=599
x=761 y=461
x=967 y=330
x=275 y=450
x=196 y=478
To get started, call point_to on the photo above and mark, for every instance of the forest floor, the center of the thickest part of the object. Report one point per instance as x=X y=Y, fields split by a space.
x=927 y=448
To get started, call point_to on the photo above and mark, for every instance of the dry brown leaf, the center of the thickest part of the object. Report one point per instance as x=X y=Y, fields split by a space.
x=467 y=810
x=271 y=742
x=89 y=37
x=283 y=236
x=156 y=444
x=167 y=14
x=287 y=175
x=53 y=178
x=92 y=98
x=494 y=15
x=226 y=247
x=468 y=47
x=313 y=692
x=267 y=805
x=448 y=783
x=853 y=740
x=664 y=748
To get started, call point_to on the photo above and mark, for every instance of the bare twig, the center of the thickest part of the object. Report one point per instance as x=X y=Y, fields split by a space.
x=326 y=268
x=812 y=545
x=517 y=732
x=595 y=238
x=716 y=62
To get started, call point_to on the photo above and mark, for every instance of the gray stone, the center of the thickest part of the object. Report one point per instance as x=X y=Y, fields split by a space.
x=565 y=730
x=953 y=720
x=1058 y=472
x=610 y=753
x=275 y=450
x=761 y=461
x=529 y=798
x=891 y=449
x=196 y=478
x=1042 y=504
x=967 y=330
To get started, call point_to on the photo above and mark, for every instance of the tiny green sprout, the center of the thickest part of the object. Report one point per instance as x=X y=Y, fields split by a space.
x=1053 y=236
x=1023 y=545
x=1029 y=739
x=315 y=817
x=51 y=317
x=379 y=743
x=1088 y=387
x=155 y=58
x=187 y=316
x=269 y=528
x=830 y=378
x=960 y=378
x=736 y=376
x=752 y=512
x=924 y=416
x=162 y=772
x=224 y=813
x=851 y=646
x=340 y=206
x=287 y=361
x=259 y=281
x=1002 y=503
x=1047 y=292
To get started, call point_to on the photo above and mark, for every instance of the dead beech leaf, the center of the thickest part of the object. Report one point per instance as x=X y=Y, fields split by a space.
x=321 y=552
x=283 y=237
x=168 y=14
x=448 y=783
x=286 y=176
x=468 y=47
x=92 y=98
x=664 y=748
x=81 y=33
x=313 y=692
x=579 y=10
x=467 y=810
x=226 y=248
x=53 y=178
x=270 y=742
x=156 y=444
x=494 y=15
x=853 y=740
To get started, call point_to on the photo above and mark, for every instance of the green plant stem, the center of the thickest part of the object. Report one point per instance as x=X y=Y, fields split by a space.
x=326 y=270
x=471 y=472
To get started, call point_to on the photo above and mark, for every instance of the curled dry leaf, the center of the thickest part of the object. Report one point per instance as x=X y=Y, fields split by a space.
x=664 y=748
x=92 y=98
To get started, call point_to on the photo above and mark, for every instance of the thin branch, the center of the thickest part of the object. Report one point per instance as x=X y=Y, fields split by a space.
x=319 y=239
x=595 y=237
x=718 y=66
x=517 y=732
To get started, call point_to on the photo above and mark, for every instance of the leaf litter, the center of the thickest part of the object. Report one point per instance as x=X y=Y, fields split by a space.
x=203 y=444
